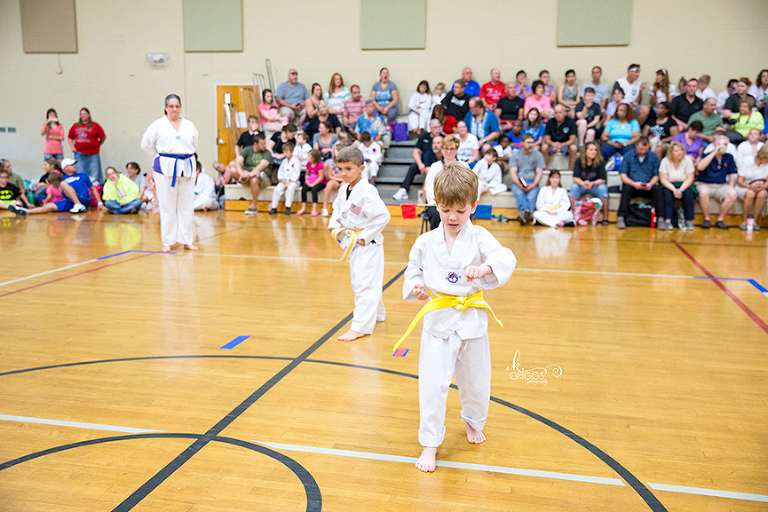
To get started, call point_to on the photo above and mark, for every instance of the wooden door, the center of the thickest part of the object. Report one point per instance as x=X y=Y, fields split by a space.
x=232 y=116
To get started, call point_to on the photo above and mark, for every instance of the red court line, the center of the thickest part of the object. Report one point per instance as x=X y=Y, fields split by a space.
x=222 y=233
x=73 y=275
x=728 y=292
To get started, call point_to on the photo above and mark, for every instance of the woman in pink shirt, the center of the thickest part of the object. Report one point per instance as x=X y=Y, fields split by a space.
x=54 y=135
x=538 y=100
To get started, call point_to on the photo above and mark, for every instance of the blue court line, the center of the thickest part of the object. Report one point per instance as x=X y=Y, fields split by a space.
x=235 y=342
x=758 y=286
x=113 y=255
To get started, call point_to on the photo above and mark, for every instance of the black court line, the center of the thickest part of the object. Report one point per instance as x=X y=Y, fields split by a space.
x=138 y=495
x=311 y=489
x=647 y=496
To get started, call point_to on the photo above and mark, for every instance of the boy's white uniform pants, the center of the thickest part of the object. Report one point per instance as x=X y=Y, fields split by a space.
x=439 y=360
x=366 y=270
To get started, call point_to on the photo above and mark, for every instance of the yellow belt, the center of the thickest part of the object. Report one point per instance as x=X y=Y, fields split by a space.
x=353 y=240
x=448 y=301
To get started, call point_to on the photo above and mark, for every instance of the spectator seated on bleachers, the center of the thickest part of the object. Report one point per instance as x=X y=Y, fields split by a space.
x=568 y=94
x=676 y=175
x=560 y=137
x=372 y=156
x=469 y=147
x=272 y=120
x=336 y=95
x=371 y=122
x=539 y=101
x=456 y=102
x=748 y=149
x=252 y=165
x=509 y=108
x=420 y=108
x=708 y=119
x=590 y=177
x=744 y=121
x=661 y=131
x=621 y=132
x=717 y=178
x=536 y=126
x=639 y=175
x=482 y=123
x=731 y=149
x=491 y=92
x=633 y=93
x=731 y=105
x=602 y=91
x=691 y=140
x=752 y=184
x=686 y=105
x=10 y=195
x=16 y=180
x=353 y=109
x=447 y=121
x=526 y=168
x=588 y=115
x=291 y=95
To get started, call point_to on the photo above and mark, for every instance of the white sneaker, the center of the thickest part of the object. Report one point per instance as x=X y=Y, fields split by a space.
x=400 y=195
x=325 y=213
x=79 y=207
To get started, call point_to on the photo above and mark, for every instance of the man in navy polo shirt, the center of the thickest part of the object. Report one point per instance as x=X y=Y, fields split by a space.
x=639 y=175
x=717 y=177
x=77 y=188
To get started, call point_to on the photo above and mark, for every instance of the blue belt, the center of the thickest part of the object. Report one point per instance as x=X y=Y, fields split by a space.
x=176 y=159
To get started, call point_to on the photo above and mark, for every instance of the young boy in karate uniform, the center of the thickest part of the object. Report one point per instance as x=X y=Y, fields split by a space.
x=371 y=156
x=288 y=179
x=454 y=263
x=359 y=216
x=489 y=174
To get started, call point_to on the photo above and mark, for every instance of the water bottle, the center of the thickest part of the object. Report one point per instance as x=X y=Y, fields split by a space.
x=653 y=218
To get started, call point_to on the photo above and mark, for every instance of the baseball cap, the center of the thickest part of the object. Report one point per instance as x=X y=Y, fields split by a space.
x=67 y=161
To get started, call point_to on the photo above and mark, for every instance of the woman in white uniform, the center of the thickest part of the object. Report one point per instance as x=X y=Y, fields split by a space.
x=172 y=141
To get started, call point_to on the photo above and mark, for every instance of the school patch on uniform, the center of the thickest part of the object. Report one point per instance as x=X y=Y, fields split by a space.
x=355 y=209
x=344 y=215
x=453 y=277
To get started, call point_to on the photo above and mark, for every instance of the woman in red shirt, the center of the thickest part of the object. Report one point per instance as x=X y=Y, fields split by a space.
x=85 y=139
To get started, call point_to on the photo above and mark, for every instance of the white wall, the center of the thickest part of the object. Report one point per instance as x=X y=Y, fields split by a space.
x=110 y=76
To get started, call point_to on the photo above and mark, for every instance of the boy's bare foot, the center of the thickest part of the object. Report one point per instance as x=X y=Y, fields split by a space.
x=426 y=460
x=190 y=247
x=166 y=248
x=474 y=436
x=350 y=335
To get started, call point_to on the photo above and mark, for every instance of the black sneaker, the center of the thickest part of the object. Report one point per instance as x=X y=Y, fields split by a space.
x=273 y=211
x=721 y=225
x=705 y=224
x=287 y=211
x=18 y=210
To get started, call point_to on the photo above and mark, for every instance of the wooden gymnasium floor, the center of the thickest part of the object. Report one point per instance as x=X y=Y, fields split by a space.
x=123 y=386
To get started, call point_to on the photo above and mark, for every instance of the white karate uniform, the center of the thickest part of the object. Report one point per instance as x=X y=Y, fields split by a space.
x=363 y=210
x=372 y=153
x=176 y=203
x=205 y=192
x=289 y=170
x=557 y=202
x=489 y=176
x=419 y=111
x=454 y=341
x=507 y=152
x=303 y=153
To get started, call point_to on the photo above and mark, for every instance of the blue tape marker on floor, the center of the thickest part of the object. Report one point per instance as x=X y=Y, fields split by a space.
x=757 y=285
x=235 y=342
x=113 y=255
x=400 y=352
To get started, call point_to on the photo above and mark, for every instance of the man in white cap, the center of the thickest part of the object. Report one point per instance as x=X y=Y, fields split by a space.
x=77 y=188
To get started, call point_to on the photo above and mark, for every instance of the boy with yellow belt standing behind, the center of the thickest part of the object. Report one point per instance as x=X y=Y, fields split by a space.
x=359 y=217
x=453 y=264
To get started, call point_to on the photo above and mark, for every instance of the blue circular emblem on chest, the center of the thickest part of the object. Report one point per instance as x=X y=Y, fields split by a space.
x=344 y=214
x=453 y=278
